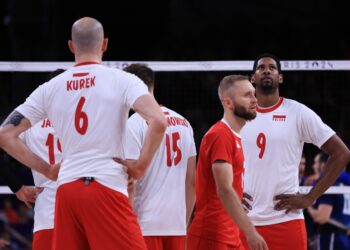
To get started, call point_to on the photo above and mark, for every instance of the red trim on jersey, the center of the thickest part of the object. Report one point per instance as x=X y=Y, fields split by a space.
x=270 y=109
x=166 y=113
x=85 y=63
x=80 y=74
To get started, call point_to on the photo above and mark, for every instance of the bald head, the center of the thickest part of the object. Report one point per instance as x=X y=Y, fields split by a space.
x=87 y=35
x=227 y=83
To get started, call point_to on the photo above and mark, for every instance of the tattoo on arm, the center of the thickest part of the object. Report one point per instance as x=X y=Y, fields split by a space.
x=14 y=118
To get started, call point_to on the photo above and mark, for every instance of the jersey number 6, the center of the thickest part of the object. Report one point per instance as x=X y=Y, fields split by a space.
x=81 y=118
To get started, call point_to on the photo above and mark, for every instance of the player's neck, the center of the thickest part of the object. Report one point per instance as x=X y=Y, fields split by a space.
x=267 y=100
x=236 y=123
x=87 y=58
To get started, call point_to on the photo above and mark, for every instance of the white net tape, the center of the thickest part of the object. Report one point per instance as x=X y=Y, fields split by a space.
x=302 y=189
x=307 y=65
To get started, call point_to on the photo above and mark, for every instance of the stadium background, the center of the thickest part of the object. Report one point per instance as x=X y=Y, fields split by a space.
x=188 y=30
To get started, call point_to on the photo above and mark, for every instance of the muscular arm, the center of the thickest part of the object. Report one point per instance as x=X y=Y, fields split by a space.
x=149 y=109
x=190 y=187
x=339 y=156
x=10 y=130
x=322 y=214
x=223 y=176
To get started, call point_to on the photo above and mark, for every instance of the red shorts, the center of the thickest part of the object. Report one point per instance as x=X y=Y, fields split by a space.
x=198 y=243
x=92 y=216
x=165 y=242
x=282 y=236
x=42 y=239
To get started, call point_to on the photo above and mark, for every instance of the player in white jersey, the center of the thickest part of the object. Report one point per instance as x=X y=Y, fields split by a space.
x=165 y=195
x=88 y=106
x=42 y=141
x=273 y=144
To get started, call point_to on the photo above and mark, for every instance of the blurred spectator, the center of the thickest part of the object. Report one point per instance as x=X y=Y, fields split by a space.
x=11 y=215
x=302 y=166
x=332 y=213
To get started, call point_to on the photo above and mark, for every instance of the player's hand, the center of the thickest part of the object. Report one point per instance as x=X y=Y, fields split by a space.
x=28 y=194
x=247 y=199
x=133 y=167
x=256 y=241
x=291 y=202
x=53 y=171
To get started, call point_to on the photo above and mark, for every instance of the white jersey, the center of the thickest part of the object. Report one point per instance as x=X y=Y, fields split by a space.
x=42 y=141
x=273 y=144
x=160 y=200
x=88 y=106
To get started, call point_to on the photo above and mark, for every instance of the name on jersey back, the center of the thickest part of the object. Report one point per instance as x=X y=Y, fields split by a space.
x=82 y=83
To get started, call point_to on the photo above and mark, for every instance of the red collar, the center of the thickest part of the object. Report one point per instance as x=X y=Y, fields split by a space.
x=85 y=63
x=270 y=109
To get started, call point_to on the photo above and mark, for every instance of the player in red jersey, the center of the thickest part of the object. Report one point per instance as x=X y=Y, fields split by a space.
x=219 y=180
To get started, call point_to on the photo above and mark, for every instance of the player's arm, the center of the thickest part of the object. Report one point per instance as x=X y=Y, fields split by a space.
x=223 y=176
x=131 y=191
x=149 y=109
x=10 y=130
x=339 y=156
x=322 y=214
x=190 y=187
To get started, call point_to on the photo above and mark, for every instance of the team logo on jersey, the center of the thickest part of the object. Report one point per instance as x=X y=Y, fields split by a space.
x=279 y=118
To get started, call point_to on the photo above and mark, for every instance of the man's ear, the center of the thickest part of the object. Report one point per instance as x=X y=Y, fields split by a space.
x=280 y=79
x=252 y=78
x=104 y=44
x=71 y=46
x=227 y=102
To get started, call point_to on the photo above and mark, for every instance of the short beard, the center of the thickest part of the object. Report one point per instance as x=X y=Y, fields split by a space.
x=267 y=88
x=241 y=112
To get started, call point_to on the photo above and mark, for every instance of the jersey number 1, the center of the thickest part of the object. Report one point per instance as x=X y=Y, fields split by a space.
x=261 y=143
x=50 y=144
x=175 y=148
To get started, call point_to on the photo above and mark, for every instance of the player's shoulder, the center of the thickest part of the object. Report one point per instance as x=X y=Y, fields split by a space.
x=290 y=103
x=171 y=112
x=218 y=131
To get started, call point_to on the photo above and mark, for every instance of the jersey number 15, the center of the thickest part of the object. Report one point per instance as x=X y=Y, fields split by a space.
x=174 y=149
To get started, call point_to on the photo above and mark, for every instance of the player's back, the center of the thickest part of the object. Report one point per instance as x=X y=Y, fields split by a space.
x=88 y=106
x=160 y=201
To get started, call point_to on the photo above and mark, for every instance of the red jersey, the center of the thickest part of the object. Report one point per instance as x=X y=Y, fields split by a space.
x=211 y=221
